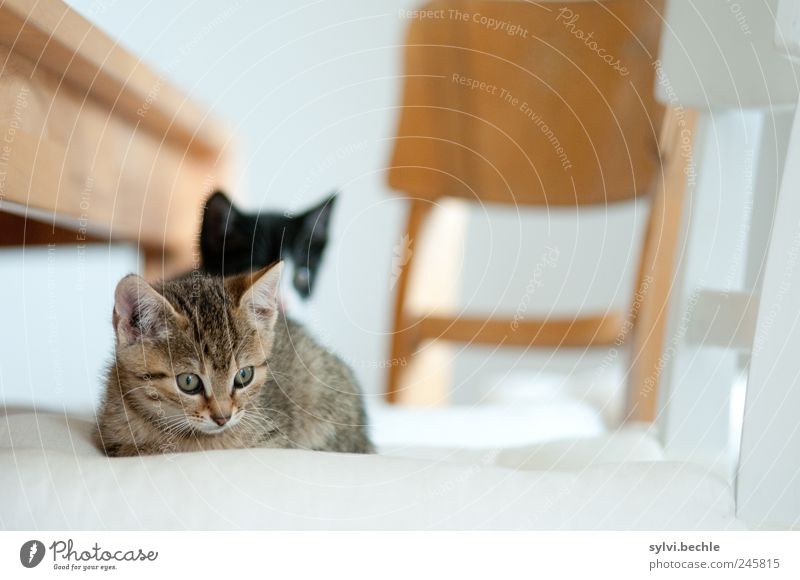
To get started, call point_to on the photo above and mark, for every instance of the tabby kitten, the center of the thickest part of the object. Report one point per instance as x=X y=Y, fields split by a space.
x=205 y=362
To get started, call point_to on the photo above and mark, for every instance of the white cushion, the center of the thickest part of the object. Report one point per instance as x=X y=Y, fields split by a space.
x=626 y=445
x=53 y=478
x=483 y=426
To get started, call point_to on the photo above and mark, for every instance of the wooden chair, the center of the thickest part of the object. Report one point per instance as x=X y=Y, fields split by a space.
x=505 y=103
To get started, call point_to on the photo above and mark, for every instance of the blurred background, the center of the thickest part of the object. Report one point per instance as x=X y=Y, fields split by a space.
x=313 y=90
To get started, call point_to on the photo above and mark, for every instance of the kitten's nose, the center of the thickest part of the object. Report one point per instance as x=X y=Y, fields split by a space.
x=220 y=420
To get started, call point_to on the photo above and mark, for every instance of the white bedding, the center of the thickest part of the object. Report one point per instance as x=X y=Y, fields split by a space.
x=483 y=426
x=51 y=477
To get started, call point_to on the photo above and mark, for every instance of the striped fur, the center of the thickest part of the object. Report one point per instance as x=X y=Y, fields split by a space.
x=302 y=396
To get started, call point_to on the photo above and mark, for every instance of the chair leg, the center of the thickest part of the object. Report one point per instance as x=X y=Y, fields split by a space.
x=657 y=270
x=695 y=380
x=404 y=341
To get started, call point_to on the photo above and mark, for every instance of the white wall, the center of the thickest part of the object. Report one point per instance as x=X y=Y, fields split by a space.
x=312 y=88
x=56 y=332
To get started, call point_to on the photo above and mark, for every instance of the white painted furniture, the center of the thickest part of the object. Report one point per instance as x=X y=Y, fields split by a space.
x=720 y=58
x=732 y=62
x=768 y=484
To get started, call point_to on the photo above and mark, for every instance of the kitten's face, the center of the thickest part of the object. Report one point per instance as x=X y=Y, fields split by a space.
x=193 y=352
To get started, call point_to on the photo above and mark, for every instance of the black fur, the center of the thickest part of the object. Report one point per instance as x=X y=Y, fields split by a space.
x=232 y=242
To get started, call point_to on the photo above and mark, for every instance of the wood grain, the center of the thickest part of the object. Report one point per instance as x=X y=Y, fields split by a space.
x=92 y=137
x=555 y=333
x=404 y=340
x=531 y=117
x=79 y=55
x=657 y=270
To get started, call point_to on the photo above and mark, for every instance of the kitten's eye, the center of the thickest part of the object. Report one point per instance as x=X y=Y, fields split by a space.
x=243 y=377
x=189 y=383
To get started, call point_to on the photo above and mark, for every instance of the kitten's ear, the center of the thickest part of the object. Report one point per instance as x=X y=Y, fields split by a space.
x=260 y=301
x=219 y=209
x=219 y=230
x=317 y=220
x=140 y=312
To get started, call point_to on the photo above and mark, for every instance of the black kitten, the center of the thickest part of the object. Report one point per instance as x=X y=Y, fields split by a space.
x=232 y=242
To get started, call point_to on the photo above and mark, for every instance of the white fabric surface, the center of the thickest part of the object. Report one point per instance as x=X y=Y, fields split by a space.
x=52 y=478
x=596 y=387
x=483 y=426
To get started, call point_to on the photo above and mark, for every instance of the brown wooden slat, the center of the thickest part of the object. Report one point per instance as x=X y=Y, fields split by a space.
x=62 y=42
x=17 y=230
x=403 y=343
x=657 y=270
x=577 y=332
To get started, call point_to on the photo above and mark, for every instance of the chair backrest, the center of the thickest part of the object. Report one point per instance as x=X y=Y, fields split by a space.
x=535 y=104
